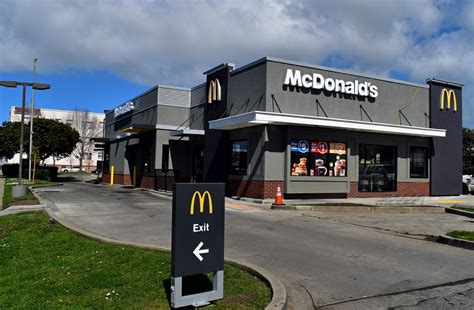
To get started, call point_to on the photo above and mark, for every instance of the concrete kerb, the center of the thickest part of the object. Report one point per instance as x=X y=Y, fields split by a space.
x=279 y=295
x=460 y=243
x=460 y=212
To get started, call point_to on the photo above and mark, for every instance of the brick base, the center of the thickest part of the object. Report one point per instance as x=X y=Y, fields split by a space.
x=404 y=189
x=253 y=188
x=145 y=181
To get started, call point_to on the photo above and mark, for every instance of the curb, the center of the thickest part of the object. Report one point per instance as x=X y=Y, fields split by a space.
x=21 y=209
x=460 y=212
x=279 y=296
x=406 y=209
x=460 y=243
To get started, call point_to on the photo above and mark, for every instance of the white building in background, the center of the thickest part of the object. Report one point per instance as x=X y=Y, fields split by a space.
x=88 y=124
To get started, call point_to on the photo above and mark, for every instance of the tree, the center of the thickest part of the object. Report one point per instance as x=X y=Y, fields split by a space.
x=53 y=138
x=88 y=127
x=467 y=151
x=10 y=139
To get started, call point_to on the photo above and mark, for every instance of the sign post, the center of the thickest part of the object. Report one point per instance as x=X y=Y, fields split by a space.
x=197 y=243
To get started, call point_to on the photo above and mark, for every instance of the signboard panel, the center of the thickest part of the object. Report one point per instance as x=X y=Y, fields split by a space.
x=197 y=244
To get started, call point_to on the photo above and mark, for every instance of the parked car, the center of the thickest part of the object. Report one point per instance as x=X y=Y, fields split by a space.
x=467 y=184
x=71 y=169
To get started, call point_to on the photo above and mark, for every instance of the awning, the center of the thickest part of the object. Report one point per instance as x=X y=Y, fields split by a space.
x=185 y=132
x=138 y=128
x=270 y=118
x=99 y=139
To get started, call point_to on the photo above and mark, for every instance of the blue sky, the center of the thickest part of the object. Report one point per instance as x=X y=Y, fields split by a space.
x=98 y=54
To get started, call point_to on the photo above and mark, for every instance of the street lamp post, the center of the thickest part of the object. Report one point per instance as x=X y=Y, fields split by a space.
x=84 y=139
x=32 y=113
x=19 y=190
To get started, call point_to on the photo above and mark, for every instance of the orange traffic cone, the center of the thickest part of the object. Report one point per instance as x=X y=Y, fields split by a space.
x=278 y=198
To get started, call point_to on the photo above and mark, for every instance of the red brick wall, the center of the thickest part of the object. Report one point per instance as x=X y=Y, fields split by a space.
x=253 y=188
x=404 y=189
x=145 y=181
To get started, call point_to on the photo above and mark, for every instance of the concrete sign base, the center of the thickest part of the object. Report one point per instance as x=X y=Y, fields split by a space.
x=196 y=300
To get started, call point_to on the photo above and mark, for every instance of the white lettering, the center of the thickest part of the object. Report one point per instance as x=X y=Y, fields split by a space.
x=340 y=86
x=125 y=108
x=317 y=81
x=200 y=228
x=373 y=91
x=307 y=81
x=350 y=88
x=329 y=84
x=364 y=89
x=293 y=79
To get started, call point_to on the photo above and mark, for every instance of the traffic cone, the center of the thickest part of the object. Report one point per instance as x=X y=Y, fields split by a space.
x=278 y=197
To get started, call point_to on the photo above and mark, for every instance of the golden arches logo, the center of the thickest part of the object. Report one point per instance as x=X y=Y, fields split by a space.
x=201 y=199
x=448 y=94
x=214 y=92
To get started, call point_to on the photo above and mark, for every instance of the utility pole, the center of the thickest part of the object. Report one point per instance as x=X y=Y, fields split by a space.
x=32 y=113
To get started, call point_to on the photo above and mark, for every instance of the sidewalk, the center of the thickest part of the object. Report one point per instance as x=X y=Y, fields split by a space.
x=2 y=185
x=438 y=201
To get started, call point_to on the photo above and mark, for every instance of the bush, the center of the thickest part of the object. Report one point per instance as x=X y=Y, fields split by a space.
x=10 y=170
x=42 y=172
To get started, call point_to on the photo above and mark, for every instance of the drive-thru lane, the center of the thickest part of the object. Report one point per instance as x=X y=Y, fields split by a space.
x=318 y=260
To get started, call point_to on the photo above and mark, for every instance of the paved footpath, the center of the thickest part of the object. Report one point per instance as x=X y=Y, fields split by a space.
x=322 y=261
x=2 y=185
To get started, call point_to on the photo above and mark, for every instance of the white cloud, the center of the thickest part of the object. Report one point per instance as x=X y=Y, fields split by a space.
x=173 y=42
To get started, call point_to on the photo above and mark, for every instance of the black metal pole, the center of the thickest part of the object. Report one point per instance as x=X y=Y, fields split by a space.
x=22 y=125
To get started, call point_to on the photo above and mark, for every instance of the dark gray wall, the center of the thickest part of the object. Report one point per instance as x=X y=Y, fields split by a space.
x=413 y=100
x=145 y=113
x=247 y=90
x=446 y=157
x=198 y=101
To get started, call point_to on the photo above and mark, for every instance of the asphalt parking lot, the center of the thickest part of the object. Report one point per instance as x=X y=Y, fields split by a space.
x=329 y=260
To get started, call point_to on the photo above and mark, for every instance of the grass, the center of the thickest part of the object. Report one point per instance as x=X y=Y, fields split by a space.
x=46 y=266
x=7 y=192
x=463 y=209
x=466 y=235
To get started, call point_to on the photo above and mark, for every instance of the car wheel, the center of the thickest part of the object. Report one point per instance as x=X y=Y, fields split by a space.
x=65 y=171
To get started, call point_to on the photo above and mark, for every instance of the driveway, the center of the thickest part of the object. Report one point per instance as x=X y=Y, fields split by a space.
x=324 y=260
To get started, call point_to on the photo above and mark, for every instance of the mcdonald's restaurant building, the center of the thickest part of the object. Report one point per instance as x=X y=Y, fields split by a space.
x=314 y=131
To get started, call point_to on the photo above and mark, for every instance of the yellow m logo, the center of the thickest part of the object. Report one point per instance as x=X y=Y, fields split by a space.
x=202 y=199
x=214 y=92
x=448 y=94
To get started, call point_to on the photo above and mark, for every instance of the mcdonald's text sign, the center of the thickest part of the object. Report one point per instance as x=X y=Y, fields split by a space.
x=197 y=244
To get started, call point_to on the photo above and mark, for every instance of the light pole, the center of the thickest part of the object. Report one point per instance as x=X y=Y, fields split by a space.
x=19 y=190
x=32 y=113
x=83 y=138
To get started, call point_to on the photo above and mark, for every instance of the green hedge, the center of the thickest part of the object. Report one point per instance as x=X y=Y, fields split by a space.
x=42 y=172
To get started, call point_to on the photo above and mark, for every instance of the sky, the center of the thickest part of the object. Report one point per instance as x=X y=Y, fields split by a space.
x=98 y=54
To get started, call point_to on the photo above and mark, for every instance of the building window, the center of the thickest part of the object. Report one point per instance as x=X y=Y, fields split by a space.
x=418 y=162
x=318 y=158
x=377 y=168
x=238 y=158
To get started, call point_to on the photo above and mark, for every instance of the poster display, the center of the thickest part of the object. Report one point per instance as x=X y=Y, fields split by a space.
x=318 y=158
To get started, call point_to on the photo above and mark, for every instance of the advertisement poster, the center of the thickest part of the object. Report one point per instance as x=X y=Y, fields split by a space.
x=300 y=146
x=337 y=148
x=319 y=147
